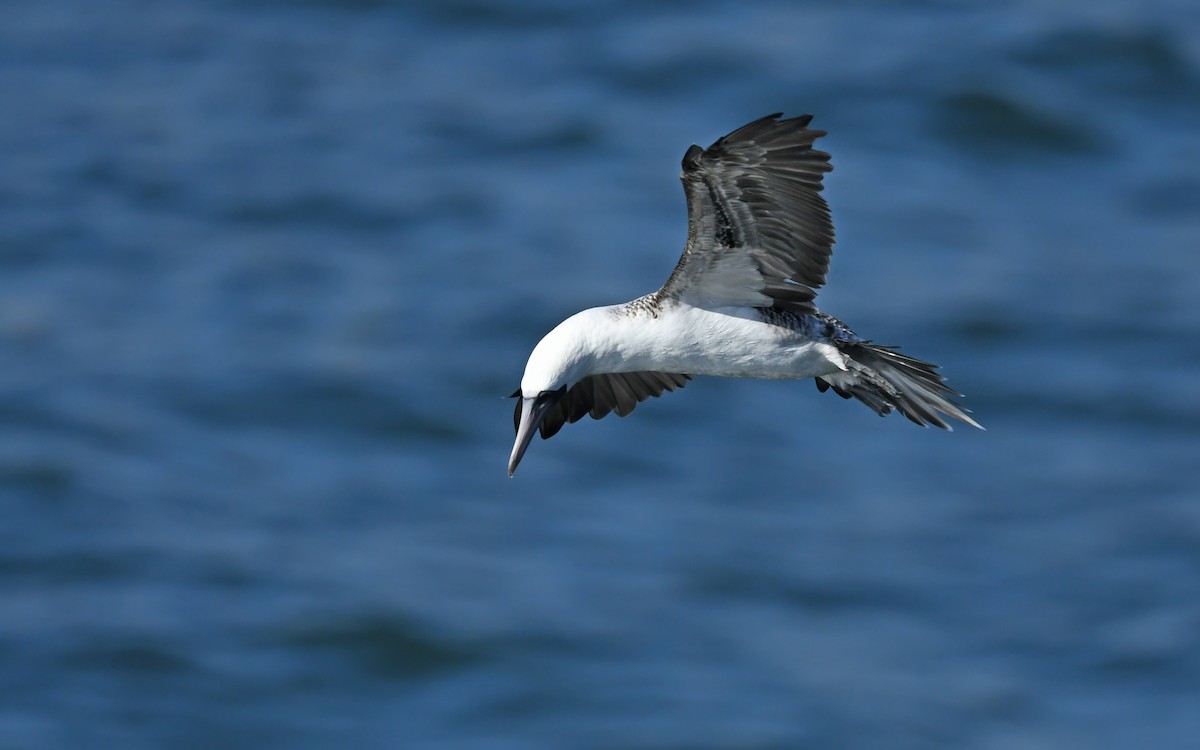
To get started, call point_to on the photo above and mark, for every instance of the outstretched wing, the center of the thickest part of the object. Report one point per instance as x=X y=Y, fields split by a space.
x=600 y=395
x=759 y=232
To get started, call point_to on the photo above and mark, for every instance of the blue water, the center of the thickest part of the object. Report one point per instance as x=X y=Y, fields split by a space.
x=267 y=269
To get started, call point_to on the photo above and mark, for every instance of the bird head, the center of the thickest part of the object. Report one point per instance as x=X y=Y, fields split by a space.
x=559 y=361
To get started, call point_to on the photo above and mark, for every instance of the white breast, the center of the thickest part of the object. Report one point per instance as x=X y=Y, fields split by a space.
x=726 y=342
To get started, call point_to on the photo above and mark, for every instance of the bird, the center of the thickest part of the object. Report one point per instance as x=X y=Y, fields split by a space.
x=739 y=303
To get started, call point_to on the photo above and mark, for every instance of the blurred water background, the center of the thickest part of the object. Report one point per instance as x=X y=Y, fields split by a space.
x=267 y=269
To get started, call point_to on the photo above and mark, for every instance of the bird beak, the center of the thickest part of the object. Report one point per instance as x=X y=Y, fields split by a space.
x=531 y=411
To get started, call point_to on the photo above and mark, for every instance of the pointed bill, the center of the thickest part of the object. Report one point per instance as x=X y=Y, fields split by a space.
x=526 y=428
x=530 y=413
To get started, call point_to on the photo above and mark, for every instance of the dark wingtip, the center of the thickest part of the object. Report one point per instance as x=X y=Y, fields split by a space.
x=771 y=123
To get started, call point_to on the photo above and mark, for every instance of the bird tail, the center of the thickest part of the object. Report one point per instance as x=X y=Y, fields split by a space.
x=884 y=379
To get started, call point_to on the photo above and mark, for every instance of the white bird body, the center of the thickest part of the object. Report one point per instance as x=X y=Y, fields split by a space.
x=739 y=304
x=727 y=342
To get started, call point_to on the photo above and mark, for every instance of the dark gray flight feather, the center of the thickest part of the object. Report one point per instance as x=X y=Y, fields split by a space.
x=757 y=224
x=599 y=395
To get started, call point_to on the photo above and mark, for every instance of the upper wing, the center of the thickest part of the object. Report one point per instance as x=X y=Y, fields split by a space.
x=759 y=232
x=599 y=395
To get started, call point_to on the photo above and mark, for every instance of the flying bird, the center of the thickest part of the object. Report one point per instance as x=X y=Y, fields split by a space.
x=739 y=304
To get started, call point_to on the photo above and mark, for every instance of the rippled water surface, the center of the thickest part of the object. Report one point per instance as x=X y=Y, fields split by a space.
x=267 y=269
